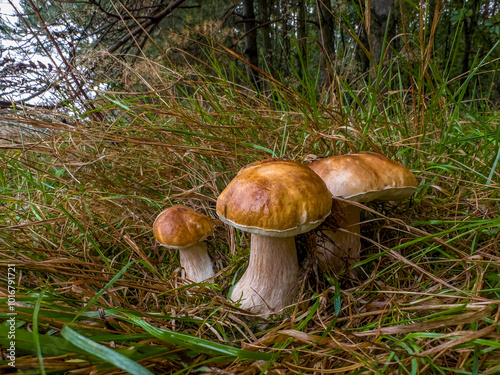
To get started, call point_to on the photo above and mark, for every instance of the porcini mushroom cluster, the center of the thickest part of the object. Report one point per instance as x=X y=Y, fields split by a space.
x=275 y=200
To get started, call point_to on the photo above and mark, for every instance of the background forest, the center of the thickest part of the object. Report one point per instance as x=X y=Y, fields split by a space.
x=301 y=43
x=111 y=111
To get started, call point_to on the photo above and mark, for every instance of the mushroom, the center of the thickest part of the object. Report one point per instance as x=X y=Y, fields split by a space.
x=180 y=227
x=362 y=177
x=274 y=200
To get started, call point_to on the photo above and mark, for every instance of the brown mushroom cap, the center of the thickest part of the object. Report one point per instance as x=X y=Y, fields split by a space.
x=277 y=198
x=365 y=177
x=179 y=226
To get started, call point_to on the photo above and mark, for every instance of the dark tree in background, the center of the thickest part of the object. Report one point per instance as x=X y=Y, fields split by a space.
x=266 y=31
x=380 y=27
x=251 y=47
x=346 y=39
x=326 y=38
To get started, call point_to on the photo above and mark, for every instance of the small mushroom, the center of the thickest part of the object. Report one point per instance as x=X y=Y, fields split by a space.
x=362 y=177
x=180 y=227
x=274 y=200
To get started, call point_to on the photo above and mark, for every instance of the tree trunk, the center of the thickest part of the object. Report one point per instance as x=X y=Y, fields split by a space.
x=326 y=39
x=470 y=25
x=265 y=7
x=302 y=37
x=285 y=38
x=377 y=25
x=251 y=50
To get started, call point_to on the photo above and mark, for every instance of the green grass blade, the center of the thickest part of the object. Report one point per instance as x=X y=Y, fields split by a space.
x=104 y=353
x=49 y=345
x=197 y=344
x=36 y=337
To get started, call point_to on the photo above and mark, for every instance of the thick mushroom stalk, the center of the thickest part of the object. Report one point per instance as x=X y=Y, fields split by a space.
x=270 y=280
x=340 y=248
x=196 y=263
x=180 y=227
x=274 y=200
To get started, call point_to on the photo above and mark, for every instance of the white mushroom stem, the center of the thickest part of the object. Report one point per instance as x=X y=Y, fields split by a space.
x=340 y=249
x=195 y=262
x=269 y=282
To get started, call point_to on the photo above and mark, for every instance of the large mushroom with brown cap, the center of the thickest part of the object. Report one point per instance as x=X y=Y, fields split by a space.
x=274 y=200
x=180 y=227
x=362 y=177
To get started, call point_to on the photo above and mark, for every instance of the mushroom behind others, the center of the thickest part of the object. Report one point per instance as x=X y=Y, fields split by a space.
x=180 y=227
x=274 y=200
x=362 y=177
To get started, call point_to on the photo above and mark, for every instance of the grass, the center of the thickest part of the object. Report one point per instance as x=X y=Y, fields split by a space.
x=95 y=292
